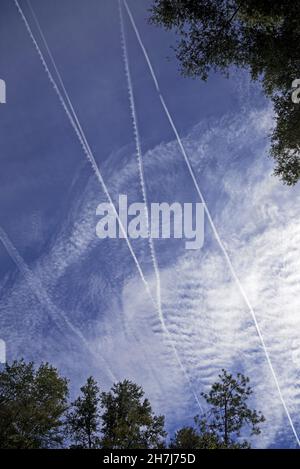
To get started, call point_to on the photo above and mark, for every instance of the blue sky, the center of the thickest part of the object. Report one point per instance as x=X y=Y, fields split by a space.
x=79 y=301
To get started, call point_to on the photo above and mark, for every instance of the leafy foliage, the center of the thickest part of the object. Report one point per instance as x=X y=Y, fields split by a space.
x=32 y=403
x=128 y=420
x=195 y=438
x=34 y=413
x=185 y=438
x=262 y=36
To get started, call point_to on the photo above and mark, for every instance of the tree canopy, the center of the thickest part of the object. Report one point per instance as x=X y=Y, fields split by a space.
x=229 y=411
x=262 y=36
x=35 y=413
x=32 y=404
x=83 y=417
x=128 y=419
x=196 y=438
x=227 y=416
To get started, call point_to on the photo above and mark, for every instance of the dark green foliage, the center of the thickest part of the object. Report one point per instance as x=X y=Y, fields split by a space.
x=32 y=403
x=34 y=414
x=195 y=438
x=185 y=438
x=128 y=420
x=83 y=418
x=262 y=36
x=285 y=138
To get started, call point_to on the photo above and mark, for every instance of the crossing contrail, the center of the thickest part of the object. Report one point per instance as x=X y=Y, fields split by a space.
x=75 y=123
x=214 y=229
x=145 y=200
x=37 y=287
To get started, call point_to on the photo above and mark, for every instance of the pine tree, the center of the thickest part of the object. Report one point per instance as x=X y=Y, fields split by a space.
x=229 y=412
x=83 y=418
x=227 y=416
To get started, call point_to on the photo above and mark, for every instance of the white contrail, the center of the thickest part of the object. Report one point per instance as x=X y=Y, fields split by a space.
x=145 y=200
x=37 y=287
x=215 y=231
x=84 y=143
x=140 y=163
